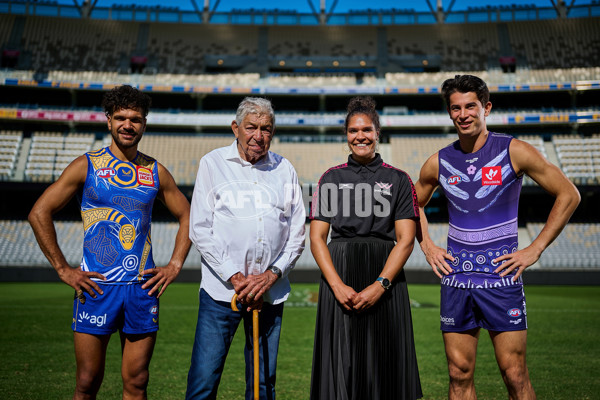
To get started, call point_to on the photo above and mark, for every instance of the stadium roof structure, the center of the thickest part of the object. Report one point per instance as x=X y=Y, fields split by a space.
x=305 y=12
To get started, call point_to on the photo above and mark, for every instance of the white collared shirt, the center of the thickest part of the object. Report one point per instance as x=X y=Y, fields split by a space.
x=245 y=218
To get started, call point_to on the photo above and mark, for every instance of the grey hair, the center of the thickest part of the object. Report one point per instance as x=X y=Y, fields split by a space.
x=254 y=105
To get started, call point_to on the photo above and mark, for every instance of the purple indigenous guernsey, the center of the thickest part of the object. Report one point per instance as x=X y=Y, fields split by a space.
x=483 y=190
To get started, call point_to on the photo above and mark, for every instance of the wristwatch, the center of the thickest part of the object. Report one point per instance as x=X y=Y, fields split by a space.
x=275 y=270
x=385 y=282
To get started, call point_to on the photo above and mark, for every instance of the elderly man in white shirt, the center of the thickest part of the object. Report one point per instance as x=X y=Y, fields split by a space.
x=247 y=221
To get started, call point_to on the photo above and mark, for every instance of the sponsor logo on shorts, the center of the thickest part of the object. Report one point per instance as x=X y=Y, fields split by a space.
x=154 y=310
x=514 y=312
x=516 y=321
x=98 y=320
x=446 y=320
x=105 y=172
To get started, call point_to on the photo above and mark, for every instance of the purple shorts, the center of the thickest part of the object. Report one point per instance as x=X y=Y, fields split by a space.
x=127 y=308
x=498 y=309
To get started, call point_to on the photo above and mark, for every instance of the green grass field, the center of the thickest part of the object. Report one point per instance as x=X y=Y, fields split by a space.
x=37 y=359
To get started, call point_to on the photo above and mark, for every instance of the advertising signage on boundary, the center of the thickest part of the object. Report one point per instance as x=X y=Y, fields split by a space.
x=306 y=120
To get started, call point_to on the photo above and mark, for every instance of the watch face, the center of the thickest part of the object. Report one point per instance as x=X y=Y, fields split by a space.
x=276 y=271
x=386 y=283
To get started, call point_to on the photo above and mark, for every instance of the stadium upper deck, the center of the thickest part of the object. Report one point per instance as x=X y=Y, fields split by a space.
x=41 y=37
x=278 y=16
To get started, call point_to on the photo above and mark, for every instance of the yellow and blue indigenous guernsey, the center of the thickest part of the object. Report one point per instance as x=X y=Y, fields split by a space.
x=116 y=209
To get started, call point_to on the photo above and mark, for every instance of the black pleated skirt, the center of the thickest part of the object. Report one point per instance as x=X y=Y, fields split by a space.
x=368 y=355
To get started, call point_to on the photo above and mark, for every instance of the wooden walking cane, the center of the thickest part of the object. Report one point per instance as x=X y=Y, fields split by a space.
x=255 y=348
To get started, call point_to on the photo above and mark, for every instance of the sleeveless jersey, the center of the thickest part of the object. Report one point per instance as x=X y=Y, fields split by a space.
x=116 y=210
x=483 y=191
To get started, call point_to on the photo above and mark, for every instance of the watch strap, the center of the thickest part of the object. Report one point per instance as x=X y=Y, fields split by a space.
x=276 y=271
x=385 y=283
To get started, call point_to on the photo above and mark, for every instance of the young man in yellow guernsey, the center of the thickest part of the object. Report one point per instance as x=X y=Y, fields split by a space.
x=117 y=285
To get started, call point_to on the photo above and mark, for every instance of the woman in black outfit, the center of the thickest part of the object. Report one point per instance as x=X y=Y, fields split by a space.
x=364 y=347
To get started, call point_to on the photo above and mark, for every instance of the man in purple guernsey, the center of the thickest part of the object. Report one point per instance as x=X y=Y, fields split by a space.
x=480 y=271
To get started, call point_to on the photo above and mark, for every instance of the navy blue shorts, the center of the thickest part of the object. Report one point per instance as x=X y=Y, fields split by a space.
x=498 y=309
x=122 y=307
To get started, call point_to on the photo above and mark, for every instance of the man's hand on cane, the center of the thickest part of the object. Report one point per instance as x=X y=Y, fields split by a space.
x=250 y=289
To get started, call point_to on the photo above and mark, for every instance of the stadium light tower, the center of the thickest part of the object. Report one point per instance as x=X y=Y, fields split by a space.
x=85 y=8
x=322 y=15
x=561 y=8
x=438 y=12
x=206 y=12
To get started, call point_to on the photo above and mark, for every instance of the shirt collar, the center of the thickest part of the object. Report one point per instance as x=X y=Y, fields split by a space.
x=372 y=166
x=234 y=155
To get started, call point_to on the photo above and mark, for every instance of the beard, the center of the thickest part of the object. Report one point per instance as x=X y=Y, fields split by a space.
x=126 y=144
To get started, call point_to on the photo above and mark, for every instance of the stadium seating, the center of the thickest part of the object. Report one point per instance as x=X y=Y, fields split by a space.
x=18 y=246
x=181 y=48
x=318 y=80
x=578 y=246
x=560 y=43
x=538 y=143
x=579 y=157
x=313 y=80
x=181 y=154
x=10 y=145
x=311 y=160
x=289 y=41
x=6 y=23
x=76 y=44
x=51 y=152
x=468 y=48
x=410 y=153
x=204 y=68
x=70 y=44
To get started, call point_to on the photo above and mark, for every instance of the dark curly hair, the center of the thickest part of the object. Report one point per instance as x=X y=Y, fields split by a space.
x=362 y=105
x=126 y=97
x=465 y=84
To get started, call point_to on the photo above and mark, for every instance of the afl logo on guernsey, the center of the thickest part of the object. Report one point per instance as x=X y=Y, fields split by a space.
x=144 y=176
x=105 y=173
x=454 y=180
x=514 y=312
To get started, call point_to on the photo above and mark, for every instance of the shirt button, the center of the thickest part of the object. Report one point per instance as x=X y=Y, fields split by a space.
x=259 y=240
x=258 y=260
